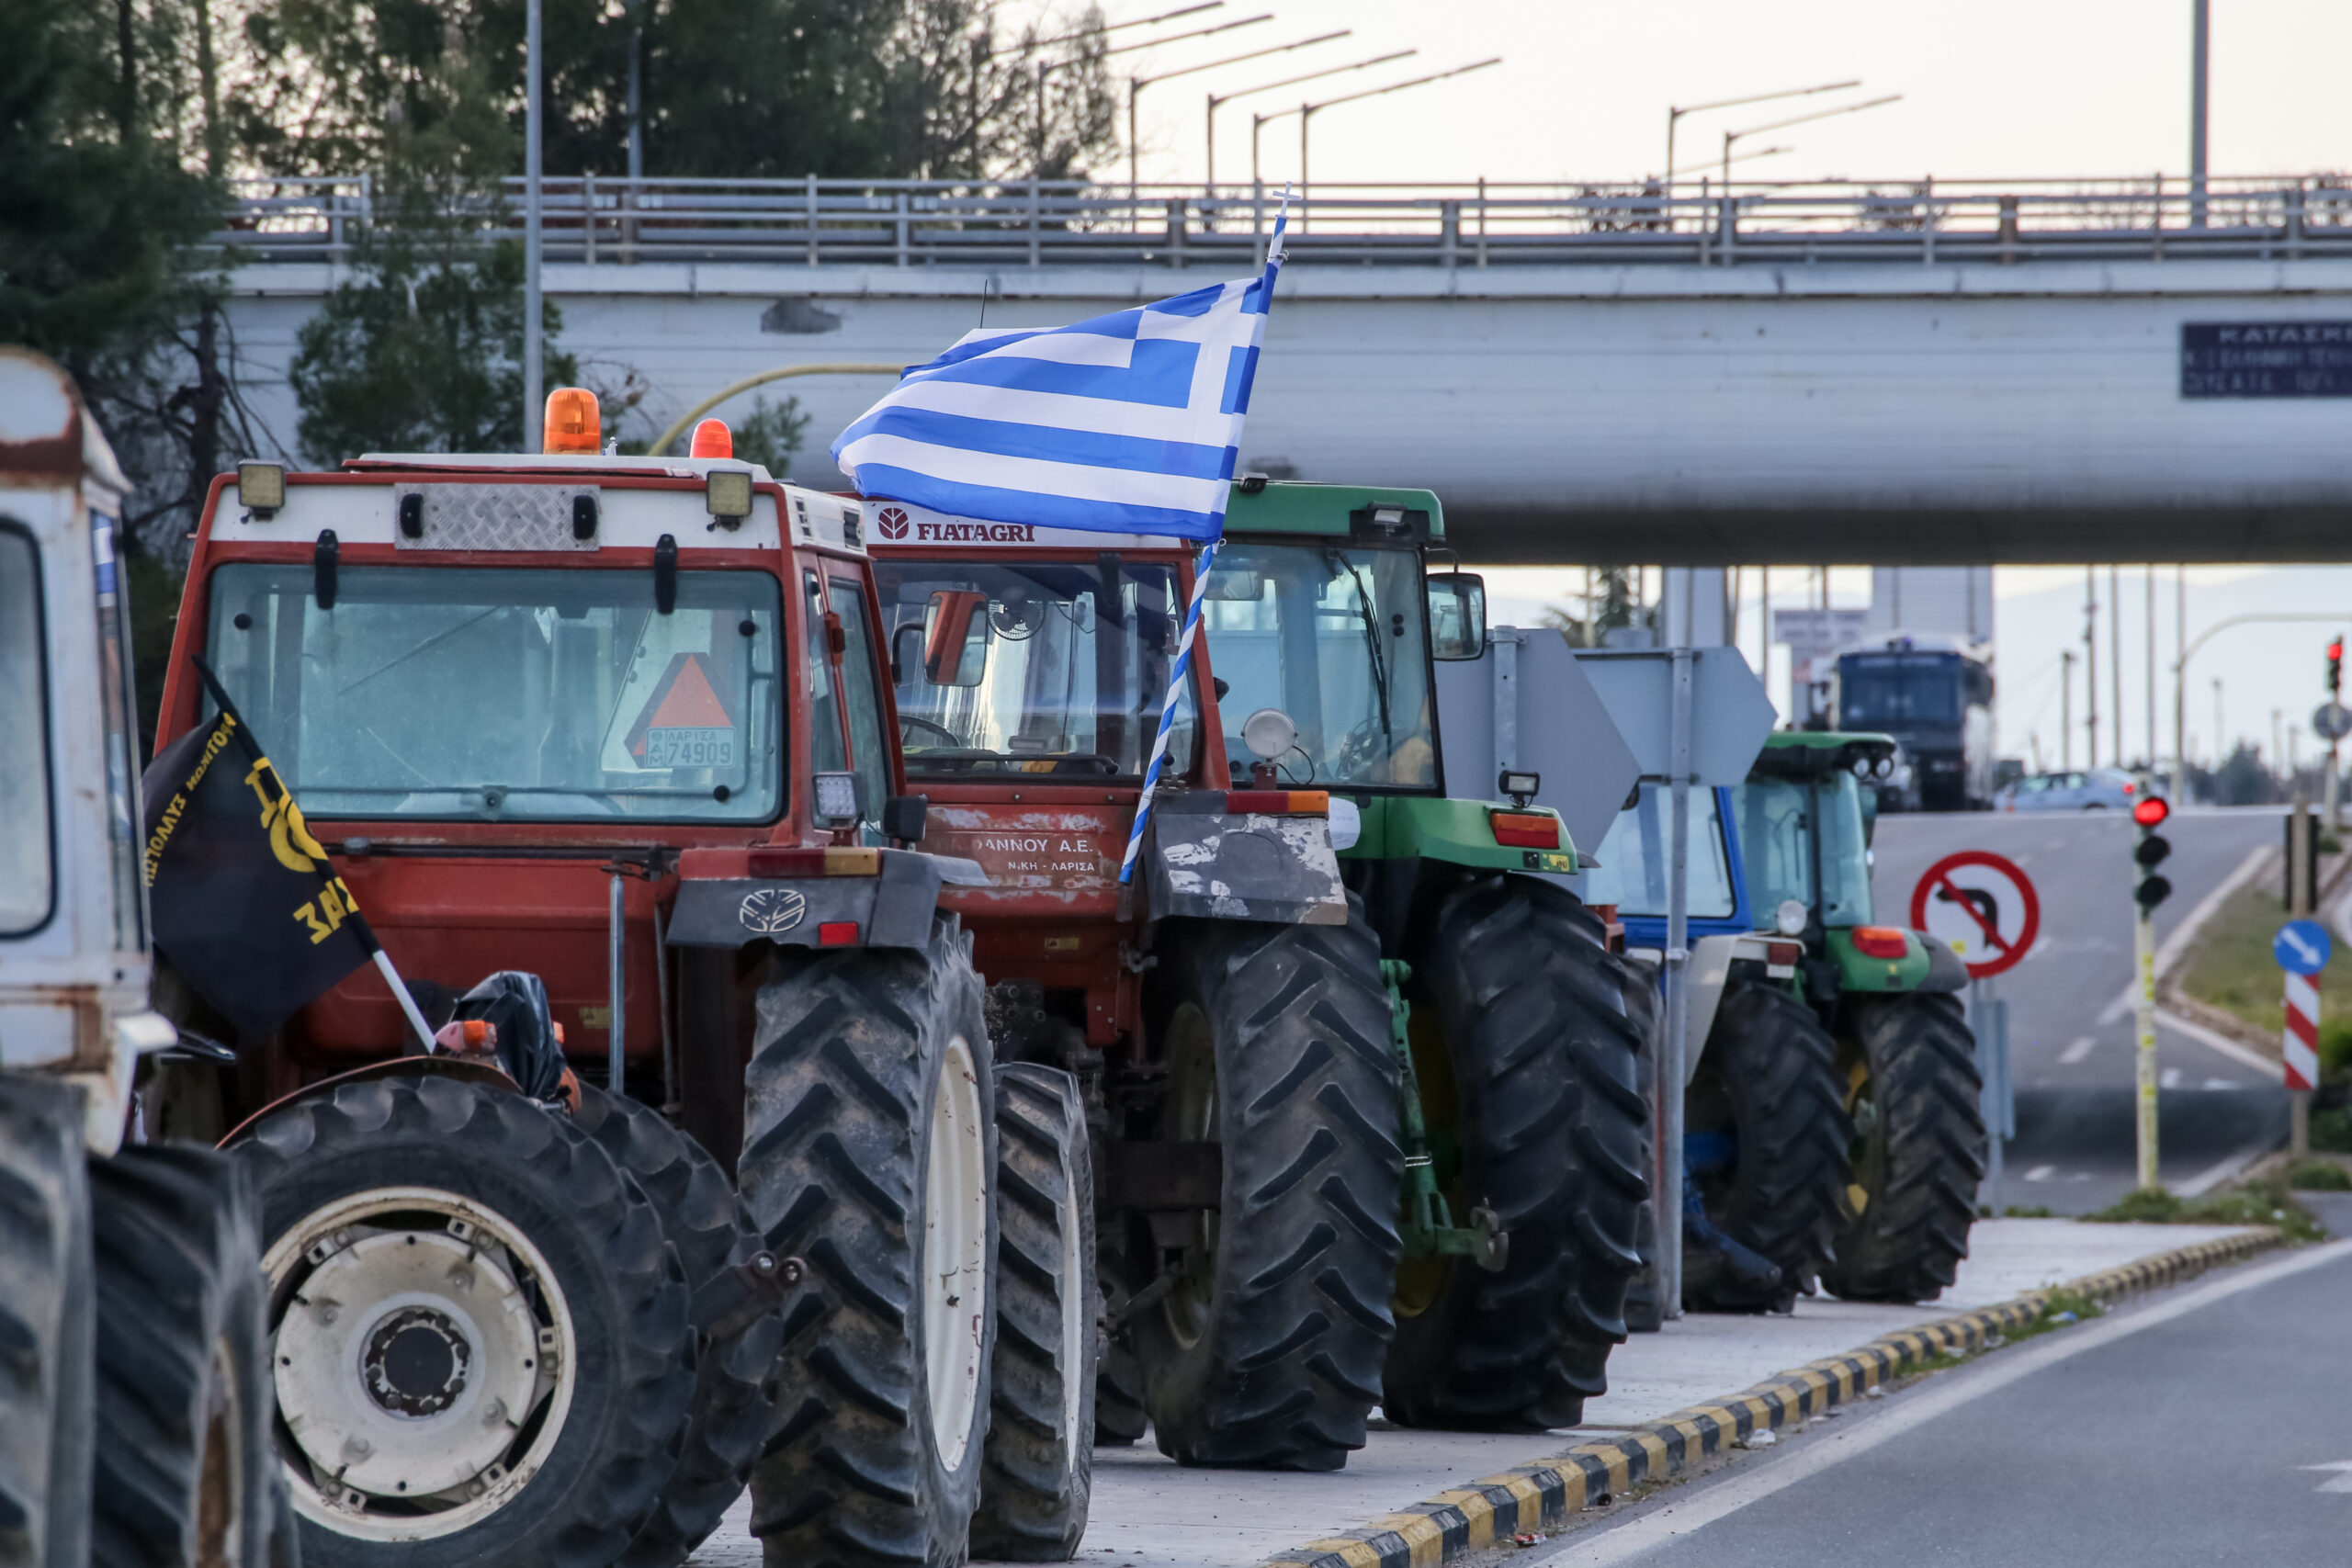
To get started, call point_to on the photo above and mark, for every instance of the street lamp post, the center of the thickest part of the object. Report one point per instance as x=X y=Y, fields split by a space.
x=1046 y=67
x=532 y=353
x=1732 y=136
x=2181 y=674
x=1216 y=100
x=1674 y=115
x=2199 y=50
x=1136 y=84
x=1306 y=113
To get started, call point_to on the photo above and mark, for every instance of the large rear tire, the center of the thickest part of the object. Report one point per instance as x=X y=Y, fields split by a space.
x=1918 y=1150
x=47 y=1358
x=1038 y=1465
x=1644 y=1310
x=184 y=1473
x=1767 y=1087
x=1525 y=1046
x=869 y=1152
x=481 y=1339
x=734 y=1402
x=1264 y=1349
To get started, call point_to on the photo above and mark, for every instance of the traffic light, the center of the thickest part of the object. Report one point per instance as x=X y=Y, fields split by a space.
x=2334 y=666
x=2152 y=889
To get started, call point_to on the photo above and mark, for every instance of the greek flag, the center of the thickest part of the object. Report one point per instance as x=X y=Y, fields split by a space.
x=1126 y=423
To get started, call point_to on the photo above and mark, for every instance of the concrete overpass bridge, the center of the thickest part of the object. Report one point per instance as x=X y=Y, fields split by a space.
x=1929 y=373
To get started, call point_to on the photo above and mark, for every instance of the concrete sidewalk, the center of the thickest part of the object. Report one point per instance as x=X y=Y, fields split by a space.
x=1150 y=1513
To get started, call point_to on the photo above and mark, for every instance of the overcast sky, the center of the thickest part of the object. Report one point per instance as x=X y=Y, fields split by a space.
x=1992 y=88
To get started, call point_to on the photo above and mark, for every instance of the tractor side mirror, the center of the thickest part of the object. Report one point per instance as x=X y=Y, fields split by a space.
x=955 y=637
x=1457 y=615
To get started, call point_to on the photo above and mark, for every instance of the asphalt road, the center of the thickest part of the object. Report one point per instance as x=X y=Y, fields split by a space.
x=2071 y=1033
x=2204 y=1425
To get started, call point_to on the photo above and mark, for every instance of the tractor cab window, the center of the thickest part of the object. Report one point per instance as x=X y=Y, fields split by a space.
x=1334 y=636
x=1777 y=820
x=1033 y=667
x=851 y=693
x=458 y=693
x=1632 y=866
x=26 y=849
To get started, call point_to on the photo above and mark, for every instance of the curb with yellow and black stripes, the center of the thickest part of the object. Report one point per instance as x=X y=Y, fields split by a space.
x=1541 y=1496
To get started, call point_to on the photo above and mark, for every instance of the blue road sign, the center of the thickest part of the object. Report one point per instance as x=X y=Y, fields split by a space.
x=2301 y=947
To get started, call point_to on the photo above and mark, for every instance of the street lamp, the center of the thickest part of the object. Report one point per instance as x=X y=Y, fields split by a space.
x=1750 y=157
x=2180 y=671
x=1306 y=113
x=1046 y=67
x=533 y=57
x=1136 y=84
x=1732 y=136
x=1674 y=115
x=1217 y=98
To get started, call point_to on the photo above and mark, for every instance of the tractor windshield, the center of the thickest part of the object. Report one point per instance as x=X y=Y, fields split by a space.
x=1033 y=667
x=509 y=693
x=1333 y=636
x=1776 y=820
x=1630 y=869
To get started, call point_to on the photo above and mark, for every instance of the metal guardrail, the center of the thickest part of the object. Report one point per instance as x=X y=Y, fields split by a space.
x=613 y=221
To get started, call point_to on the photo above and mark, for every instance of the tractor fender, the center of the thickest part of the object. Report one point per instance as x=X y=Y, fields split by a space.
x=1945 y=971
x=1709 y=970
x=891 y=905
x=1249 y=866
x=392 y=1067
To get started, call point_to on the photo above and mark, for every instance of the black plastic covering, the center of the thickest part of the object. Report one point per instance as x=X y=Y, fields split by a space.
x=516 y=1004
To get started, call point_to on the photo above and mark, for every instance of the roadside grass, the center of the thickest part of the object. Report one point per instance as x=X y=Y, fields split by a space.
x=2232 y=968
x=2263 y=1201
x=2319 y=1176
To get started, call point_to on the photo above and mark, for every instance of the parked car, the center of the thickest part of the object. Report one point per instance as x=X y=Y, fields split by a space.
x=2089 y=789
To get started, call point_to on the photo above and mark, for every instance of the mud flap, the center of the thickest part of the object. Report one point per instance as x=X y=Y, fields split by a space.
x=1216 y=864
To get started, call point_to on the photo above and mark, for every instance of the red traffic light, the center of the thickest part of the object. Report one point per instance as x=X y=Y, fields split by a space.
x=2151 y=811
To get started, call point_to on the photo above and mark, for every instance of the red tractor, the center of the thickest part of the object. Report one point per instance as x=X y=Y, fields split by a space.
x=1308 y=1157
x=622 y=725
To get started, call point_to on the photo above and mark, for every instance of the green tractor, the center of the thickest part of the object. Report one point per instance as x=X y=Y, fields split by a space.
x=1523 y=1119
x=1833 y=1121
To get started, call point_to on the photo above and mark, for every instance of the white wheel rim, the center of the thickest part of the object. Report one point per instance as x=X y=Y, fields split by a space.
x=423 y=1357
x=1078 y=1312
x=954 y=1253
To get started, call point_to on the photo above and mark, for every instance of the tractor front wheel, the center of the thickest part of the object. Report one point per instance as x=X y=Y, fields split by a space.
x=1918 y=1149
x=480 y=1334
x=1266 y=1319
x=869 y=1152
x=1525 y=1041
x=1764 y=1146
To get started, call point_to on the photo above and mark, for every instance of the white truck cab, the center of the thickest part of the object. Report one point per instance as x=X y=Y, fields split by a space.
x=74 y=949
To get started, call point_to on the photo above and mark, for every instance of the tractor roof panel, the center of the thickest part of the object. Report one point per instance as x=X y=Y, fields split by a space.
x=1292 y=506
x=903 y=523
x=492 y=504
x=1801 y=753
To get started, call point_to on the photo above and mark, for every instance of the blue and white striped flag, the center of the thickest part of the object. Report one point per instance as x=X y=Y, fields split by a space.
x=1126 y=423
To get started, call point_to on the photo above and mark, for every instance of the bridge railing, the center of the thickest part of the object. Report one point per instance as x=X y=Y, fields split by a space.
x=601 y=221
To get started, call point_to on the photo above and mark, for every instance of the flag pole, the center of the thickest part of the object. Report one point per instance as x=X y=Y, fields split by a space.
x=358 y=922
x=1177 y=678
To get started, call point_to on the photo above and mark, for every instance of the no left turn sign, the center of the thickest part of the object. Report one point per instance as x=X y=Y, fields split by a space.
x=1982 y=906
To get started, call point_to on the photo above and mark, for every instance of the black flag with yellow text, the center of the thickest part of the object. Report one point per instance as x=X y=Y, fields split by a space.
x=244 y=902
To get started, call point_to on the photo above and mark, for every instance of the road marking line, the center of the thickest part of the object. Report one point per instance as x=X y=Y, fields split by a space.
x=2205 y=1181
x=2186 y=932
x=2041 y=1173
x=2168 y=1078
x=2077 y=1051
x=2212 y=1040
x=1645 y=1533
